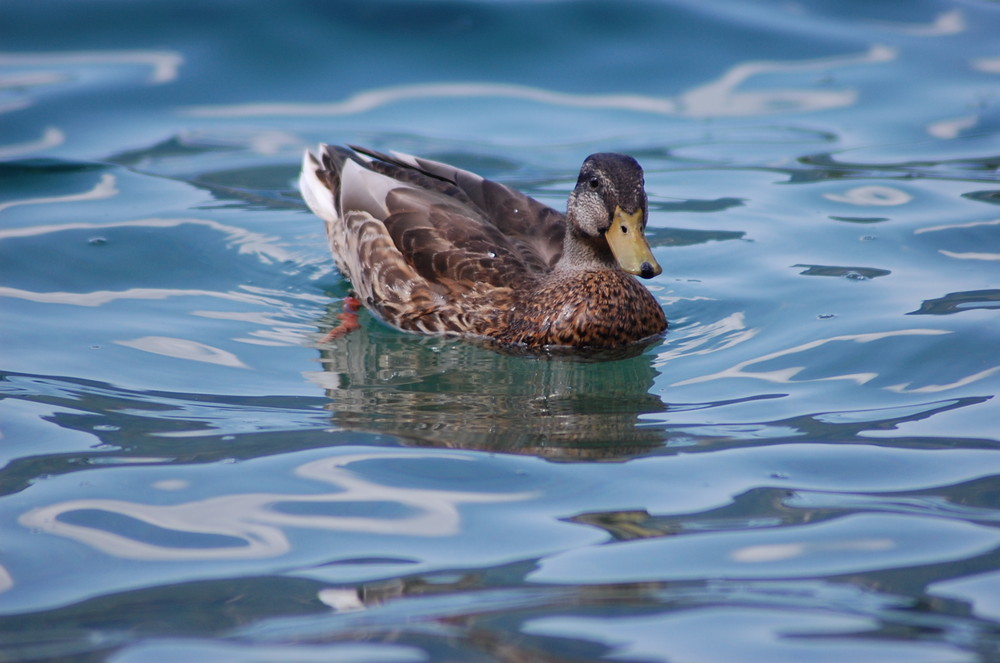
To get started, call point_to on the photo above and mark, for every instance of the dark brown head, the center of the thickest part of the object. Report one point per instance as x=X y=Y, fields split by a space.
x=609 y=205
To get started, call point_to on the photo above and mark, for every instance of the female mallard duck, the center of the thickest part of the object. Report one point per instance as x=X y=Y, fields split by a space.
x=434 y=249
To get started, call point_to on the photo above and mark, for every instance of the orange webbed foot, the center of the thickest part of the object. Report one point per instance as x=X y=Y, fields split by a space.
x=347 y=321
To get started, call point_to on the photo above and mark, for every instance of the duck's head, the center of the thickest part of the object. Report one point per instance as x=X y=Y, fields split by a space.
x=609 y=206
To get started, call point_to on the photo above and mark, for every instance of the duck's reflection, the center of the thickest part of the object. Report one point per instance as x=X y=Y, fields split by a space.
x=452 y=394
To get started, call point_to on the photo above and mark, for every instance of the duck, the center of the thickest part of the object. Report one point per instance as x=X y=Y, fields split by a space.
x=434 y=249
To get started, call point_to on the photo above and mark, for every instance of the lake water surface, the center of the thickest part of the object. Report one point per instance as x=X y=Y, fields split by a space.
x=805 y=468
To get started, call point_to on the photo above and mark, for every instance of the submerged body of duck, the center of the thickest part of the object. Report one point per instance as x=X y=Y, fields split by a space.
x=434 y=249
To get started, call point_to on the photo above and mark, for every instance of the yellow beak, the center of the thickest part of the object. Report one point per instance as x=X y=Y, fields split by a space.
x=628 y=244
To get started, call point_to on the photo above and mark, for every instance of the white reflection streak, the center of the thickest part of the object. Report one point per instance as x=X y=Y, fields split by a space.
x=987 y=65
x=944 y=24
x=278 y=333
x=30 y=79
x=102 y=297
x=247 y=241
x=105 y=188
x=953 y=226
x=778 y=552
x=51 y=137
x=6 y=582
x=948 y=129
x=251 y=517
x=20 y=82
x=372 y=99
x=181 y=348
x=718 y=98
x=934 y=388
x=787 y=375
x=11 y=106
x=726 y=333
x=260 y=318
x=164 y=64
x=881 y=196
x=972 y=255
x=230 y=515
x=440 y=515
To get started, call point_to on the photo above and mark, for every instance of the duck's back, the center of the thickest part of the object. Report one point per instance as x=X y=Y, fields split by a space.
x=466 y=212
x=413 y=235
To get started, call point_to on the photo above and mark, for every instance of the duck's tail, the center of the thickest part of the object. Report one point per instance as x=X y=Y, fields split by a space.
x=319 y=181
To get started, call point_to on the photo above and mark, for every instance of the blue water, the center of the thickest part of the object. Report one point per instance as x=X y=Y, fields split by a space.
x=805 y=468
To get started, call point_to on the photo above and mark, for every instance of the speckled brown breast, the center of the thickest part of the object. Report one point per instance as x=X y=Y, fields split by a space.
x=600 y=309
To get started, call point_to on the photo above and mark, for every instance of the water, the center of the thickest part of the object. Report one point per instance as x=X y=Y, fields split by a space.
x=804 y=468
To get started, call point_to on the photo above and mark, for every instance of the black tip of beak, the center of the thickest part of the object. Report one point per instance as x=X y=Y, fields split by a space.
x=646 y=271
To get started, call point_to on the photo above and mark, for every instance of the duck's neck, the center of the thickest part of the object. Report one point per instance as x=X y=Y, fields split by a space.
x=581 y=253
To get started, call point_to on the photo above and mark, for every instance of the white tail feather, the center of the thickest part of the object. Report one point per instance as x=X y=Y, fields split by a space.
x=317 y=196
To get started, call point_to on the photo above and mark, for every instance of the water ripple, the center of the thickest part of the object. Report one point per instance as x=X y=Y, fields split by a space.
x=163 y=65
x=718 y=98
x=182 y=348
x=105 y=188
x=851 y=544
x=255 y=522
x=246 y=241
x=788 y=374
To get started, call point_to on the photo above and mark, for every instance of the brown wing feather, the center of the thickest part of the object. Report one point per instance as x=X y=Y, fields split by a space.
x=534 y=229
x=385 y=281
x=450 y=244
x=423 y=259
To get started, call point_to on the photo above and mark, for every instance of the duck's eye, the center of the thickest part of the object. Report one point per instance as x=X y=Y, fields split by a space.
x=594 y=183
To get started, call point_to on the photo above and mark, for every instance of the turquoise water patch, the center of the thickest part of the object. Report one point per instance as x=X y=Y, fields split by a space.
x=804 y=468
